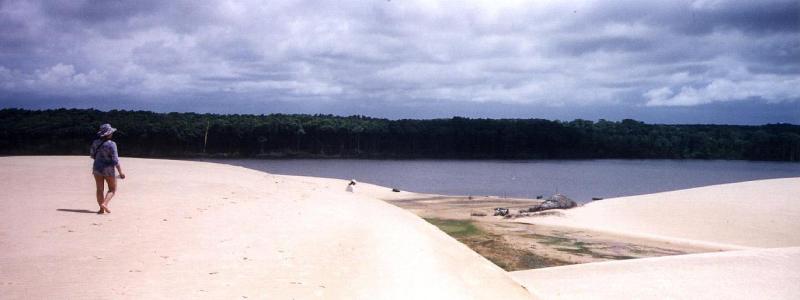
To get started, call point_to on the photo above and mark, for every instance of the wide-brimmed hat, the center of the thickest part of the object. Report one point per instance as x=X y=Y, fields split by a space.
x=106 y=130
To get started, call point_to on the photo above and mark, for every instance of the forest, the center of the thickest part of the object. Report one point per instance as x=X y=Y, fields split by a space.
x=190 y=135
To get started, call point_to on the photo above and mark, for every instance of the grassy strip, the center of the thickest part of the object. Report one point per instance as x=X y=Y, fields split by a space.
x=456 y=228
x=492 y=246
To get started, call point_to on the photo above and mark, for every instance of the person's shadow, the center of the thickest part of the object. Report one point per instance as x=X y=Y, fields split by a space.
x=85 y=211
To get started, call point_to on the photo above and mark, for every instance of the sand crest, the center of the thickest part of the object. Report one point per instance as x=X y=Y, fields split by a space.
x=189 y=230
x=763 y=213
x=743 y=274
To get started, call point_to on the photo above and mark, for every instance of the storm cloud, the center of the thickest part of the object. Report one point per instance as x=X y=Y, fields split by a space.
x=406 y=58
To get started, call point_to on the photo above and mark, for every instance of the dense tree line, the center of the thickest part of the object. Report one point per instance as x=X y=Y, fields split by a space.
x=149 y=134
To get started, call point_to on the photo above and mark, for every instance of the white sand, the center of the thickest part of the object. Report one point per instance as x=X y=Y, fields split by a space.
x=744 y=274
x=199 y=230
x=188 y=230
x=757 y=214
x=764 y=213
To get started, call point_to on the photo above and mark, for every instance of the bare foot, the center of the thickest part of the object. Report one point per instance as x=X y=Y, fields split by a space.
x=105 y=209
x=101 y=211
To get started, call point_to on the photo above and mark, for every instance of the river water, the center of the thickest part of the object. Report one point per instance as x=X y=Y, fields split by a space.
x=578 y=179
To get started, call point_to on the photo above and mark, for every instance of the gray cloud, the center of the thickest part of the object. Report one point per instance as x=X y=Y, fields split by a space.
x=445 y=57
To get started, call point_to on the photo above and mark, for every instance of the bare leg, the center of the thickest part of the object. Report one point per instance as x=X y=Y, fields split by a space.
x=98 y=182
x=112 y=188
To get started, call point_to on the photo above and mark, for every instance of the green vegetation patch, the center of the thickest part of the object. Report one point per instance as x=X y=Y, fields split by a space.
x=456 y=228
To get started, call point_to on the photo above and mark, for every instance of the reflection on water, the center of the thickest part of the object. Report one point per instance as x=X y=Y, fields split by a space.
x=578 y=179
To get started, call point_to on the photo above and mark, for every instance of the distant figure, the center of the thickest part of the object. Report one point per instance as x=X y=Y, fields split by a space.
x=351 y=186
x=106 y=159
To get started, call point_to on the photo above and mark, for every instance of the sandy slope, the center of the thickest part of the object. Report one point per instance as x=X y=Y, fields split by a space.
x=764 y=213
x=744 y=274
x=198 y=230
x=761 y=214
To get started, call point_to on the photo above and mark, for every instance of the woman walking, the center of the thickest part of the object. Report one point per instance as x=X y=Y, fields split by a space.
x=106 y=159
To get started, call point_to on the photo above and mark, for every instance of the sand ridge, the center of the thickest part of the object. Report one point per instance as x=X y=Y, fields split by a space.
x=200 y=230
x=753 y=214
x=762 y=217
x=743 y=274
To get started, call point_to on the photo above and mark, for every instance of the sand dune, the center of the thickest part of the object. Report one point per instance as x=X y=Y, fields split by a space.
x=191 y=230
x=743 y=274
x=199 y=230
x=762 y=213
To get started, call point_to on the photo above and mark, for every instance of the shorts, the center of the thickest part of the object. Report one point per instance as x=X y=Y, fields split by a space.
x=103 y=170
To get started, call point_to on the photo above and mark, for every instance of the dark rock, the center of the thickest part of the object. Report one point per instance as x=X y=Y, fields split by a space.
x=500 y=211
x=557 y=201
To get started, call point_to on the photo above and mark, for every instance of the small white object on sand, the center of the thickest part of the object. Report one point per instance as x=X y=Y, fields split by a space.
x=351 y=186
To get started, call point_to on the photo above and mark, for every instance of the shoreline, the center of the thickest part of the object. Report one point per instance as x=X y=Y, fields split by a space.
x=577 y=179
x=520 y=246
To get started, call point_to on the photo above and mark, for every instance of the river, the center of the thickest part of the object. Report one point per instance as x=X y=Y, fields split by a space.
x=578 y=179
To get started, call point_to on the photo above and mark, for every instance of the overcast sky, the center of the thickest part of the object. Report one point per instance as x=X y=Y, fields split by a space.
x=705 y=61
